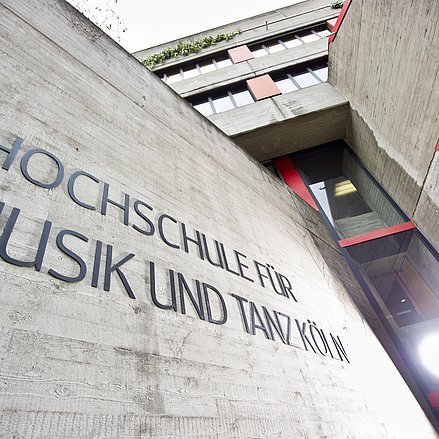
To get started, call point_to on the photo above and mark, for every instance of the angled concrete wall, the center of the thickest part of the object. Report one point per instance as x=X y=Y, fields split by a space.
x=81 y=358
x=391 y=84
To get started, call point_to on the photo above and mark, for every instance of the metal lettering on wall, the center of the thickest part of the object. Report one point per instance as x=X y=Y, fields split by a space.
x=274 y=325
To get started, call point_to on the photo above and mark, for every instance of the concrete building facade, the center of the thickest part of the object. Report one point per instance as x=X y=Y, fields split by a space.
x=375 y=185
x=157 y=280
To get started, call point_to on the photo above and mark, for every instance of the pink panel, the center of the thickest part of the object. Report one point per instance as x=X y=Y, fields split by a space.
x=239 y=54
x=262 y=87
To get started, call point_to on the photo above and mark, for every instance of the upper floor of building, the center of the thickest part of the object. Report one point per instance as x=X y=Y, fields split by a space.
x=277 y=62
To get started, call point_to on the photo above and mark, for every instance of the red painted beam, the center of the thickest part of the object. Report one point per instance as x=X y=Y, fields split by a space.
x=339 y=21
x=292 y=178
x=377 y=234
x=433 y=397
x=437 y=146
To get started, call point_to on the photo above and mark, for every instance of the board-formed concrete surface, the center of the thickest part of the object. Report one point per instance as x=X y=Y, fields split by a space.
x=106 y=175
x=287 y=123
x=391 y=84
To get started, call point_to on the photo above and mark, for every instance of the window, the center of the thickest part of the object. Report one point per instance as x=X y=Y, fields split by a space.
x=190 y=72
x=323 y=33
x=275 y=46
x=205 y=108
x=286 y=85
x=191 y=69
x=302 y=77
x=395 y=265
x=322 y=73
x=223 y=101
x=404 y=276
x=222 y=61
x=259 y=51
x=243 y=98
x=239 y=95
x=207 y=66
x=305 y=79
x=289 y=41
x=350 y=199
x=308 y=36
x=173 y=76
x=321 y=30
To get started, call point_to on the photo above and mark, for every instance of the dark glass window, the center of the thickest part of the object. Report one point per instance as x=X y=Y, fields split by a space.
x=396 y=267
x=352 y=201
x=404 y=276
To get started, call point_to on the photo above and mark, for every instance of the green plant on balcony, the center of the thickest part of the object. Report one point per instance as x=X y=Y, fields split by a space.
x=186 y=48
x=337 y=4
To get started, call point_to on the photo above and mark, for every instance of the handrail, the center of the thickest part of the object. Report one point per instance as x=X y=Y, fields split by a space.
x=282 y=19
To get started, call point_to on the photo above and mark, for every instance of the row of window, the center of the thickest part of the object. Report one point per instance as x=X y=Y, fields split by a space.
x=295 y=81
x=261 y=49
x=191 y=70
x=288 y=41
x=240 y=95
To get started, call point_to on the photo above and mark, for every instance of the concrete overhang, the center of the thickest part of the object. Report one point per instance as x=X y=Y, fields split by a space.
x=287 y=123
